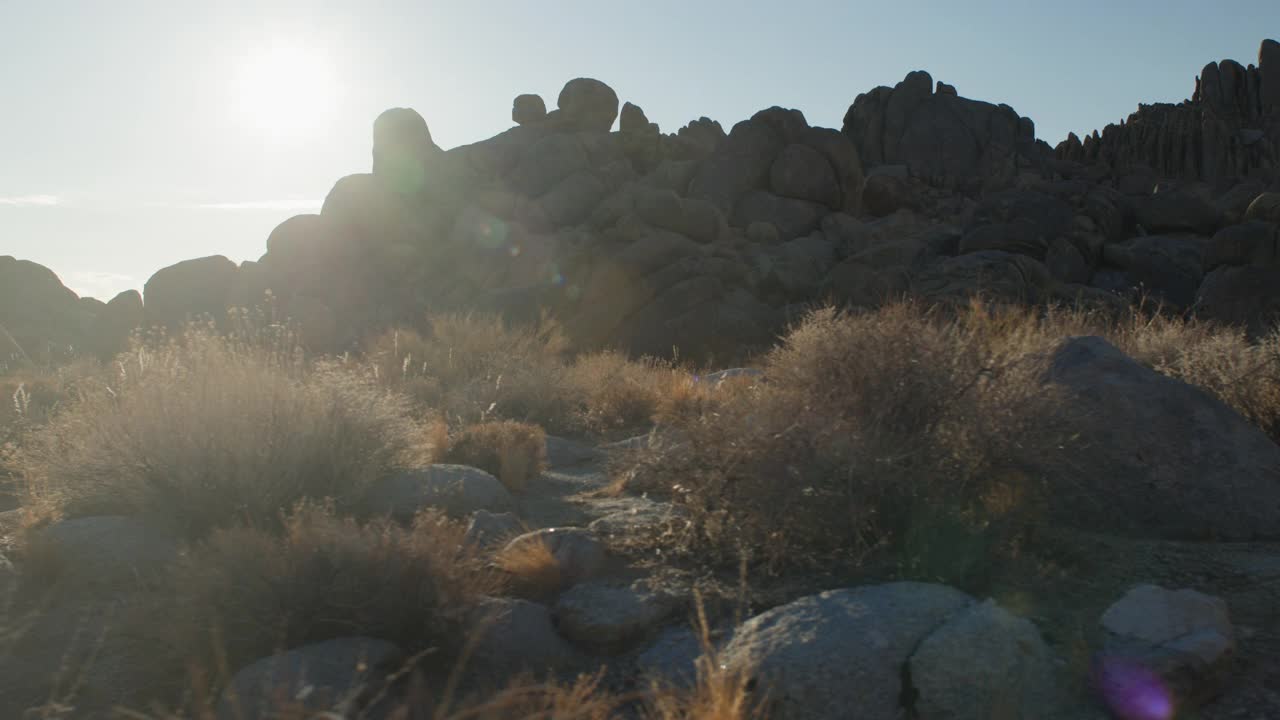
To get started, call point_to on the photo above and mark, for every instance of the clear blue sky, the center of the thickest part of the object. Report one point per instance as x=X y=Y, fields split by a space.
x=136 y=133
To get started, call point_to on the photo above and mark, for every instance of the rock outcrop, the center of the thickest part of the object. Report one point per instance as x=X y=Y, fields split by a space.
x=707 y=241
x=1228 y=129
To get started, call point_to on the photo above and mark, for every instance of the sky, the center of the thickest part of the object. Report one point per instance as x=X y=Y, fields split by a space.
x=138 y=133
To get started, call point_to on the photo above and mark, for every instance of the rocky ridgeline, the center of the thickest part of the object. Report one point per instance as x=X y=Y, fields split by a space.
x=710 y=241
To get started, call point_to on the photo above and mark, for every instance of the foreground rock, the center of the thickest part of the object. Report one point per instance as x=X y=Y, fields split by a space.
x=825 y=656
x=456 y=489
x=1164 y=648
x=340 y=675
x=610 y=618
x=110 y=551
x=515 y=636
x=1158 y=457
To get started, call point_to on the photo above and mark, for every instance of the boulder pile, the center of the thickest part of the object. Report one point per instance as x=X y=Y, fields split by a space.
x=710 y=241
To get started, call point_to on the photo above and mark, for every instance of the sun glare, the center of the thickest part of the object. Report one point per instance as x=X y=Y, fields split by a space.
x=286 y=92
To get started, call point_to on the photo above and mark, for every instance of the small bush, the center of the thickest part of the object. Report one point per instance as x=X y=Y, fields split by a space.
x=244 y=593
x=513 y=452
x=205 y=431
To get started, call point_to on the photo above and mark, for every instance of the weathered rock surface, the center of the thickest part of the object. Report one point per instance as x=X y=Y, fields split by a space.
x=456 y=489
x=821 y=656
x=1159 y=457
x=609 y=618
x=340 y=675
x=108 y=551
x=1182 y=638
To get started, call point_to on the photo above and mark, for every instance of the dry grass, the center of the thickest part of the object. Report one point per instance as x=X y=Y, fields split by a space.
x=475 y=368
x=245 y=593
x=513 y=452
x=531 y=569
x=204 y=431
x=472 y=368
x=884 y=428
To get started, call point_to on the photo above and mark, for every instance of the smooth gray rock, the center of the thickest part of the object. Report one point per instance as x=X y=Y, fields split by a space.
x=984 y=663
x=823 y=656
x=337 y=675
x=456 y=489
x=107 y=551
x=517 y=636
x=1156 y=456
x=610 y=619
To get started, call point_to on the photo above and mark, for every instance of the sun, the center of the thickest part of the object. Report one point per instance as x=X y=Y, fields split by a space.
x=286 y=92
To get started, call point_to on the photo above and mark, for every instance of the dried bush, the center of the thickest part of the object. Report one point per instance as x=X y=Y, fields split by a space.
x=513 y=452
x=873 y=429
x=204 y=431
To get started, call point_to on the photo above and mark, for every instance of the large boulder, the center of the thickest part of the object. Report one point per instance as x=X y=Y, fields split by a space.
x=115 y=323
x=1182 y=640
x=1247 y=296
x=514 y=636
x=984 y=663
x=693 y=218
x=456 y=489
x=1177 y=210
x=527 y=109
x=821 y=656
x=107 y=551
x=587 y=104
x=793 y=218
x=340 y=675
x=188 y=290
x=802 y=173
x=610 y=618
x=995 y=274
x=42 y=318
x=1265 y=207
x=402 y=150
x=1157 y=457
x=1255 y=242
x=743 y=161
x=1169 y=267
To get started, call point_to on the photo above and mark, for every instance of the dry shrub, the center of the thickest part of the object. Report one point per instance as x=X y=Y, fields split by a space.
x=204 y=431
x=513 y=452
x=244 y=594
x=477 y=367
x=619 y=393
x=531 y=569
x=883 y=427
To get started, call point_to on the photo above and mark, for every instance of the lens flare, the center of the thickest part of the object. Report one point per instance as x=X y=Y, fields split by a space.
x=1132 y=691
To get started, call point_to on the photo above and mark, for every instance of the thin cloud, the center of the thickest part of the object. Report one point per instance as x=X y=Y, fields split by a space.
x=290 y=204
x=31 y=201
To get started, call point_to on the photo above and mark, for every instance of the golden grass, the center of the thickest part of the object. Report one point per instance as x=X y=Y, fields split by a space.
x=472 y=368
x=513 y=452
x=531 y=569
x=204 y=431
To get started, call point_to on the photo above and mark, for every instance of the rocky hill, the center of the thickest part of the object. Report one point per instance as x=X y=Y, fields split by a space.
x=709 y=241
